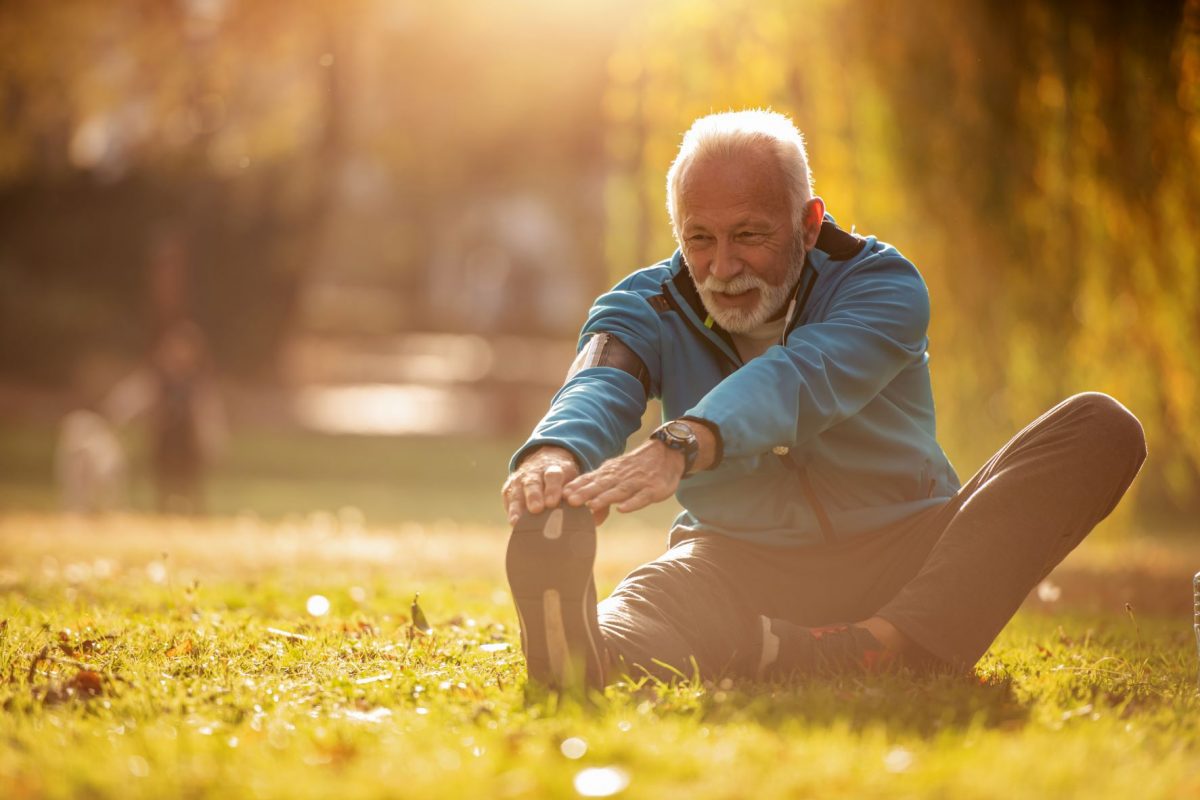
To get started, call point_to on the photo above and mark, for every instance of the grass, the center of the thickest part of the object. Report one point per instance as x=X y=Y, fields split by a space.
x=152 y=657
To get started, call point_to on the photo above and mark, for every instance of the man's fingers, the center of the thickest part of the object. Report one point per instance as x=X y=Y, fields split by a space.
x=614 y=494
x=640 y=499
x=531 y=486
x=514 y=509
x=580 y=490
x=580 y=481
x=553 y=479
x=507 y=495
x=536 y=485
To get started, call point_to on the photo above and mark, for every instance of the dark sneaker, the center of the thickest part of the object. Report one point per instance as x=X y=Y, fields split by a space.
x=786 y=648
x=549 y=563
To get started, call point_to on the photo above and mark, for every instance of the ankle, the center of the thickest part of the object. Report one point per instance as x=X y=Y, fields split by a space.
x=892 y=639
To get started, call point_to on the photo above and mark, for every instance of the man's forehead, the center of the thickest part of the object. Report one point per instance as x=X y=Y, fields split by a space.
x=701 y=217
x=742 y=183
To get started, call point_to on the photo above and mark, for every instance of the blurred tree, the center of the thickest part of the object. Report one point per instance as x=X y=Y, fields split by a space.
x=207 y=119
x=278 y=139
x=1037 y=160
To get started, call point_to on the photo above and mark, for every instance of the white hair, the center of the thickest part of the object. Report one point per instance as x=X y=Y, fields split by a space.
x=730 y=133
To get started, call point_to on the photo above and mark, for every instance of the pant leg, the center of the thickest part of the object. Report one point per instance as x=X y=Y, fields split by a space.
x=698 y=601
x=1015 y=520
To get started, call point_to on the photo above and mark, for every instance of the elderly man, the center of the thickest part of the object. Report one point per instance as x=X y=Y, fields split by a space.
x=824 y=529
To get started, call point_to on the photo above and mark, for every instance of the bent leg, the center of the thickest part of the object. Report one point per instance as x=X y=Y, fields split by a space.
x=692 y=608
x=1015 y=520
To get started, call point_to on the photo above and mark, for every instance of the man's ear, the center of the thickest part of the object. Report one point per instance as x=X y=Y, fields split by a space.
x=814 y=216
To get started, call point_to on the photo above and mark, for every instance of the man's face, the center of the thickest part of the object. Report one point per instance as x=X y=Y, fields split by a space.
x=735 y=219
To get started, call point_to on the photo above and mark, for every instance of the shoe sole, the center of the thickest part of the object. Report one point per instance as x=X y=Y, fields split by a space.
x=549 y=564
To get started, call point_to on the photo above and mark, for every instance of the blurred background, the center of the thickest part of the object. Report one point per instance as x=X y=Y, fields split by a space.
x=296 y=256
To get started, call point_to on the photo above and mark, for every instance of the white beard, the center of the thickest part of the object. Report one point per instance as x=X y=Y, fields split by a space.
x=771 y=299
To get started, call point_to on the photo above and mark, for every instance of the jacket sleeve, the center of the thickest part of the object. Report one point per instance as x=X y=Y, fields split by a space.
x=828 y=370
x=598 y=408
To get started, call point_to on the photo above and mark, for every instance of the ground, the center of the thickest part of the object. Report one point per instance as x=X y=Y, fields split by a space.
x=154 y=657
x=143 y=656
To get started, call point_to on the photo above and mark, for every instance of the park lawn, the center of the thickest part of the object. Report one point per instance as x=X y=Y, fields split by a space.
x=277 y=473
x=151 y=657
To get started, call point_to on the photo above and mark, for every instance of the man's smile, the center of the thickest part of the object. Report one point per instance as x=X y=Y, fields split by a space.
x=735 y=299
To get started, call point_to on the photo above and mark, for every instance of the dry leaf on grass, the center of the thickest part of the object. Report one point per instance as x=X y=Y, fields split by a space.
x=418 y=616
x=181 y=649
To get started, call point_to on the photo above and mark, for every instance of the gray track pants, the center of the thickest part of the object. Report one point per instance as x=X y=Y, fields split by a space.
x=949 y=578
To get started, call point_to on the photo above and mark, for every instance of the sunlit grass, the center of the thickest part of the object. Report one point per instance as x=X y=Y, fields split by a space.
x=146 y=657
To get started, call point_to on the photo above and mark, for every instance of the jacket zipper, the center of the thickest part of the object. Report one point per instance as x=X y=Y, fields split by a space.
x=721 y=354
x=799 y=301
x=808 y=280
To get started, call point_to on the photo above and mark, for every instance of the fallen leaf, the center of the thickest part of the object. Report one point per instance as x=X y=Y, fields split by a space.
x=300 y=637
x=418 y=616
x=69 y=651
x=181 y=649
x=373 y=679
x=86 y=683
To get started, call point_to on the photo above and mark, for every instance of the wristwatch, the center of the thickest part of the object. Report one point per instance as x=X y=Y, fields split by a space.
x=678 y=435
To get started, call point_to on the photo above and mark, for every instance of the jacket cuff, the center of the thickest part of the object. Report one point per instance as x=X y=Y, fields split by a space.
x=719 y=450
x=535 y=444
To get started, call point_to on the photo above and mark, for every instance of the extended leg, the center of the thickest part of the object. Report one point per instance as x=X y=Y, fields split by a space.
x=695 y=607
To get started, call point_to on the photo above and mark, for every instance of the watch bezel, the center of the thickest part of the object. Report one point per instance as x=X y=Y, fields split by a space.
x=671 y=429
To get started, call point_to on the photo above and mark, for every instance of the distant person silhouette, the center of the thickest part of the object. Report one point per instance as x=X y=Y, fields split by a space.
x=178 y=392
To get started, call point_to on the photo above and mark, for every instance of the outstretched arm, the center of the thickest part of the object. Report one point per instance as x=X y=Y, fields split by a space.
x=600 y=404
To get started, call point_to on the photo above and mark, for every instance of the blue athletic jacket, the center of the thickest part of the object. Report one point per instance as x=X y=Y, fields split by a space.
x=826 y=436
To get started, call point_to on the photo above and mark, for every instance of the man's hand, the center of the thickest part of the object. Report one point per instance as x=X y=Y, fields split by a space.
x=635 y=480
x=538 y=481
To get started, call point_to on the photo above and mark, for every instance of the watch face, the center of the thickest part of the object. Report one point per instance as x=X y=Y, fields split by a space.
x=678 y=430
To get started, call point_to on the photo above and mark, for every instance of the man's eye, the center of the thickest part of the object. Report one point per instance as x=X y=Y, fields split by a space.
x=750 y=236
x=698 y=238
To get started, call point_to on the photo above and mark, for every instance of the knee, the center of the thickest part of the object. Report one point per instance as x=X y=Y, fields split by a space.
x=1110 y=425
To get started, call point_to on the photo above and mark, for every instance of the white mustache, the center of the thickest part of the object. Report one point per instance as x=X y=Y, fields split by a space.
x=742 y=283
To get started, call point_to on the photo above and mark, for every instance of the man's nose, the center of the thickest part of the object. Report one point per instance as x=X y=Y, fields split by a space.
x=725 y=266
